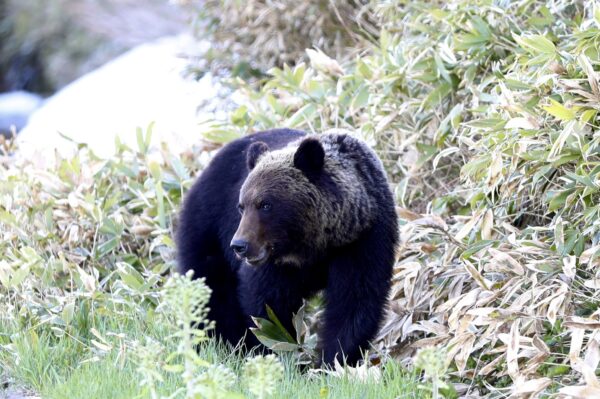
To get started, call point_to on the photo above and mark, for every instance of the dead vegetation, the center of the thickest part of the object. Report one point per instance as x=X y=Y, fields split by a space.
x=486 y=116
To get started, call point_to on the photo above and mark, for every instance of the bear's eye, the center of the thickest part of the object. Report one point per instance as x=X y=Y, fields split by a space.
x=265 y=206
x=240 y=208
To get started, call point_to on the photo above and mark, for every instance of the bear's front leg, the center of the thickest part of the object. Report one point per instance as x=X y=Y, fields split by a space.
x=356 y=294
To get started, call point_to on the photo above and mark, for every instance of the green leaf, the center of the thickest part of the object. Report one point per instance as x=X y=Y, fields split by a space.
x=361 y=99
x=107 y=246
x=476 y=247
x=438 y=94
x=278 y=323
x=148 y=138
x=536 y=44
x=173 y=368
x=488 y=123
x=303 y=115
x=179 y=168
x=558 y=200
x=130 y=276
x=468 y=41
x=272 y=336
x=240 y=116
x=588 y=115
x=555 y=371
x=19 y=275
x=299 y=325
x=140 y=140
x=559 y=111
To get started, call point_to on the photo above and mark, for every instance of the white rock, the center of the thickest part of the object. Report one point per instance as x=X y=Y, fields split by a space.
x=144 y=85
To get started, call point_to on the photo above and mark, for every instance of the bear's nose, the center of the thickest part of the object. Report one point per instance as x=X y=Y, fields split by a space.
x=240 y=247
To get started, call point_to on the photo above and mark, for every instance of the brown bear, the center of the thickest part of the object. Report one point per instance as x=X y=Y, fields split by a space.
x=278 y=216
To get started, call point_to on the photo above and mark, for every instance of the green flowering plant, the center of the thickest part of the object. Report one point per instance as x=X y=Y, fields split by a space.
x=261 y=374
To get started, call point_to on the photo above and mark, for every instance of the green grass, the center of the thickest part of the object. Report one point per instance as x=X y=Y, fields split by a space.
x=72 y=368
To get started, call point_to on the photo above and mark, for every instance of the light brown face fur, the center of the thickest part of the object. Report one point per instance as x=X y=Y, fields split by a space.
x=251 y=230
x=305 y=216
x=276 y=214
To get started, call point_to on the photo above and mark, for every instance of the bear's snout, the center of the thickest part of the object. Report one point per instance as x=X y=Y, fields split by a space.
x=240 y=247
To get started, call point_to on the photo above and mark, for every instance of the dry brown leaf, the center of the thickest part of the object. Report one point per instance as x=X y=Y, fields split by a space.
x=487 y=224
x=529 y=388
x=591 y=74
x=466 y=300
x=472 y=270
x=593 y=284
x=505 y=262
x=495 y=170
x=533 y=364
x=591 y=390
x=459 y=348
x=590 y=256
x=407 y=214
x=141 y=230
x=464 y=352
x=521 y=123
x=580 y=392
x=592 y=354
x=589 y=374
x=581 y=322
x=73 y=234
x=431 y=221
x=428 y=248
x=430 y=327
x=466 y=229
x=319 y=60
x=429 y=342
x=512 y=351
x=540 y=345
x=487 y=315
x=554 y=307
x=491 y=366
x=577 y=335
x=569 y=266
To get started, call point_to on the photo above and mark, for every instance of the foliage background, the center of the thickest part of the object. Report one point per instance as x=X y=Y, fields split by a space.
x=485 y=115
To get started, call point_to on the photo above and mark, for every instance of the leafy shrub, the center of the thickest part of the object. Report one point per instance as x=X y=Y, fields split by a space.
x=88 y=300
x=87 y=243
x=485 y=114
x=184 y=303
x=257 y=34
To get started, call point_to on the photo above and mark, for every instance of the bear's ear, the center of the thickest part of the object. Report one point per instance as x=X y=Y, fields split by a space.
x=310 y=157
x=254 y=151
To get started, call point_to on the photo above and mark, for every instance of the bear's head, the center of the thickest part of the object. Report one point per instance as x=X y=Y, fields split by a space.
x=279 y=203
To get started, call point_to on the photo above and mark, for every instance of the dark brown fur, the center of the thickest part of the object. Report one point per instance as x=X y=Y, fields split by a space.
x=316 y=213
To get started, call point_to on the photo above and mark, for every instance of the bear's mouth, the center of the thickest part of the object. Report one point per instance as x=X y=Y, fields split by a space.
x=263 y=256
x=258 y=260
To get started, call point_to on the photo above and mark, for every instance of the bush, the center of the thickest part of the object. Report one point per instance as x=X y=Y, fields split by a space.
x=89 y=306
x=485 y=114
x=87 y=248
x=251 y=36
